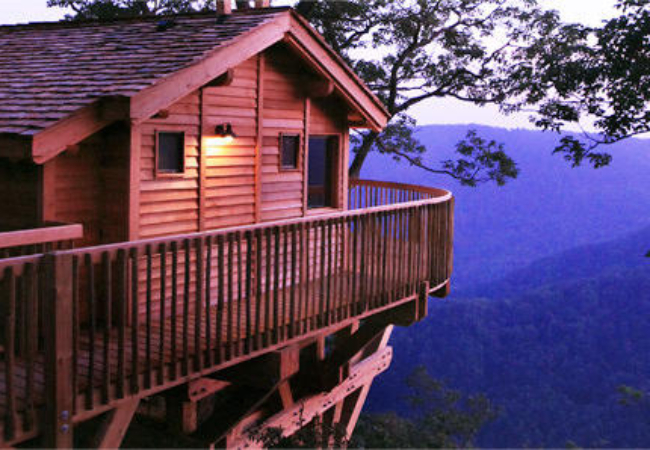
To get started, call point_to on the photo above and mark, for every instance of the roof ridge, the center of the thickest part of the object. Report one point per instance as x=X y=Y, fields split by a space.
x=152 y=17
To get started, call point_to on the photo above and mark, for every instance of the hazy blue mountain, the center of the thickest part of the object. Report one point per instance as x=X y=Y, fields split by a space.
x=549 y=208
x=550 y=349
x=550 y=306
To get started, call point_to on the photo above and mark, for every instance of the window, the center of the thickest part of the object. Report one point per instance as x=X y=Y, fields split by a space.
x=322 y=172
x=289 y=151
x=170 y=156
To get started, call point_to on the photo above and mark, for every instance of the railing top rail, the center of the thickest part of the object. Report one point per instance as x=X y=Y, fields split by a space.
x=339 y=215
x=436 y=192
x=18 y=262
x=42 y=235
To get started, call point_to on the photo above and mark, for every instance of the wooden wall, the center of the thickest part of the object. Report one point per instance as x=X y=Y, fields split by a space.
x=230 y=178
x=170 y=205
x=19 y=187
x=241 y=182
x=89 y=185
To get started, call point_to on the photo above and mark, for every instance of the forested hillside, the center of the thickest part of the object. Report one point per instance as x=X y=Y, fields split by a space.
x=550 y=304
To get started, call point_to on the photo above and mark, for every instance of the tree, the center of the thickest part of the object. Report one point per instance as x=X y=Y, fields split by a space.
x=598 y=75
x=470 y=50
x=442 y=418
x=112 y=9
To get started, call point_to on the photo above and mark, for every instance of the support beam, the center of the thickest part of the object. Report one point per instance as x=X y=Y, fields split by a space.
x=292 y=419
x=264 y=371
x=58 y=324
x=319 y=88
x=225 y=79
x=115 y=425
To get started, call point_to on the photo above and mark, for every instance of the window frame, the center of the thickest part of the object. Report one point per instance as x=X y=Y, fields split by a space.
x=336 y=172
x=163 y=174
x=299 y=152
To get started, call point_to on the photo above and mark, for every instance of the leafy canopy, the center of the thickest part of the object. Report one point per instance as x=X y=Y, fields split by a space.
x=597 y=78
x=415 y=50
x=442 y=418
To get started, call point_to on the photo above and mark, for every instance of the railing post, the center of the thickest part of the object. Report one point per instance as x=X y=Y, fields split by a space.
x=58 y=332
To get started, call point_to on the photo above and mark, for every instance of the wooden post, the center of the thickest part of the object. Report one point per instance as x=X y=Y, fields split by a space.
x=224 y=7
x=58 y=331
x=262 y=3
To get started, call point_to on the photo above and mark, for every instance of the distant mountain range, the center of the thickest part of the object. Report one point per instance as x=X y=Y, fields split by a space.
x=549 y=208
x=551 y=302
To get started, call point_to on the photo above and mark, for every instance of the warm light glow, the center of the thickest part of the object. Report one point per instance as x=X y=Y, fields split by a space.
x=217 y=141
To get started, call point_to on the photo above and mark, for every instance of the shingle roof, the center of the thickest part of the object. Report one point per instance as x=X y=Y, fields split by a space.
x=48 y=71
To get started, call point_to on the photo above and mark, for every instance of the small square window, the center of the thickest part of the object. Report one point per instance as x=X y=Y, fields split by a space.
x=289 y=151
x=171 y=153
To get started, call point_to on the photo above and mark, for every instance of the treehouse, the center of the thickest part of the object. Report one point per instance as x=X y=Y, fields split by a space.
x=179 y=237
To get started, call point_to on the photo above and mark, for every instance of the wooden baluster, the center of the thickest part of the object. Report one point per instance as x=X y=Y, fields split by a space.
x=108 y=299
x=76 y=335
x=135 y=319
x=230 y=301
x=148 y=330
x=122 y=313
x=31 y=334
x=249 y=292
x=363 y=244
x=10 y=418
x=323 y=280
x=294 y=317
x=174 y=311
x=259 y=270
x=268 y=293
x=286 y=312
x=399 y=236
x=198 y=306
x=276 y=286
x=208 y=303
x=240 y=295
x=219 y=329
x=356 y=270
x=304 y=285
x=92 y=324
x=185 y=361
x=383 y=237
x=331 y=275
x=162 y=251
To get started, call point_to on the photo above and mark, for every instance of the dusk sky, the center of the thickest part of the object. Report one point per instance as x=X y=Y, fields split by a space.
x=435 y=111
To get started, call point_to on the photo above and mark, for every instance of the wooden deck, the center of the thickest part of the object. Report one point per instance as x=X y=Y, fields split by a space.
x=86 y=329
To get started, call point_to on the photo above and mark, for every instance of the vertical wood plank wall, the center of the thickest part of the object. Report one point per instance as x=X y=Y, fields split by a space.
x=90 y=186
x=18 y=195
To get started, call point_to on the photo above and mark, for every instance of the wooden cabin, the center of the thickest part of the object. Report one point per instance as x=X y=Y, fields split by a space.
x=177 y=228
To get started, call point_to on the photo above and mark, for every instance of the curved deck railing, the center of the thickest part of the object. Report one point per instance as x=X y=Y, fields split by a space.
x=136 y=318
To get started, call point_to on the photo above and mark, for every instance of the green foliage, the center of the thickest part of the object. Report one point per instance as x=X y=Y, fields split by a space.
x=442 y=418
x=112 y=9
x=315 y=434
x=599 y=75
x=412 y=51
x=630 y=395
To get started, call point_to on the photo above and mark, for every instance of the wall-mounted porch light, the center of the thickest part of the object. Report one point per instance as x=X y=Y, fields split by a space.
x=224 y=133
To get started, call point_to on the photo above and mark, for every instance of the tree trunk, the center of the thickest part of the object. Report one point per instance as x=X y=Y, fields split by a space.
x=361 y=154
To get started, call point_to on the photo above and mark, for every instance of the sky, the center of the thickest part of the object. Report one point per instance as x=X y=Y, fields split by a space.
x=439 y=111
